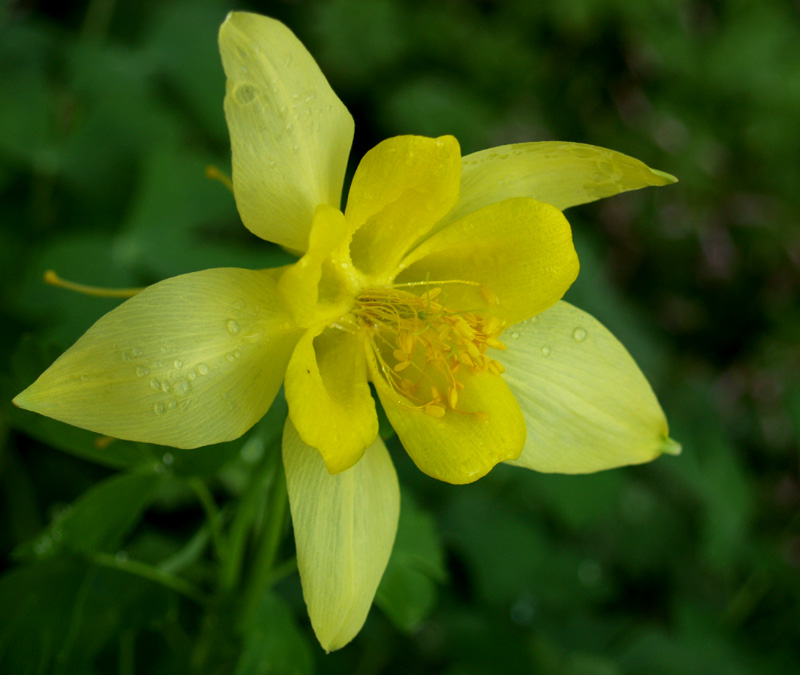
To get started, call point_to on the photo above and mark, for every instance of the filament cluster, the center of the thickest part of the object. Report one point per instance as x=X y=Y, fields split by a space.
x=424 y=349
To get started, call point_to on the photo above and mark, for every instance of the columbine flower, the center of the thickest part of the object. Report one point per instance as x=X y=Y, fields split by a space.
x=439 y=284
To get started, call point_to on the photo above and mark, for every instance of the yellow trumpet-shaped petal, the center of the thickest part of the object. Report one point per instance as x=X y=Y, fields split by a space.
x=344 y=529
x=290 y=133
x=401 y=189
x=587 y=405
x=300 y=283
x=516 y=256
x=193 y=360
x=463 y=445
x=561 y=174
x=329 y=398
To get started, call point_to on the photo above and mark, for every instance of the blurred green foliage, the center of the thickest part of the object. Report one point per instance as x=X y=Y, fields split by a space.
x=109 y=112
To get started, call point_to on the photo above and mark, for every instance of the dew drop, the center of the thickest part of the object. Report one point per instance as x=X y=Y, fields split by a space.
x=534 y=319
x=177 y=364
x=164 y=386
x=239 y=304
x=233 y=327
x=136 y=352
x=192 y=375
x=158 y=408
x=172 y=405
x=202 y=368
x=121 y=557
x=126 y=356
x=579 y=334
x=141 y=371
x=155 y=384
x=84 y=378
x=245 y=94
x=545 y=351
x=167 y=459
x=515 y=335
x=181 y=387
x=237 y=354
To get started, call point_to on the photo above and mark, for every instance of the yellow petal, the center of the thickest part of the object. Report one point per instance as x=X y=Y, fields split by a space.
x=561 y=174
x=290 y=134
x=192 y=360
x=587 y=405
x=330 y=402
x=463 y=445
x=299 y=284
x=517 y=256
x=401 y=188
x=344 y=529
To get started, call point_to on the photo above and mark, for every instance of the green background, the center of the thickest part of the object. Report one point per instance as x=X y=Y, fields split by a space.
x=109 y=113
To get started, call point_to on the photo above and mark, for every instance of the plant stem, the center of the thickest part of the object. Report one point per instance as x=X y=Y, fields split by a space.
x=262 y=573
x=246 y=514
x=153 y=574
x=213 y=515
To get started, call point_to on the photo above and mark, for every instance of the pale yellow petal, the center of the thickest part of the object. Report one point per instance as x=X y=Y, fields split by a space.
x=290 y=133
x=587 y=405
x=401 y=189
x=462 y=445
x=561 y=174
x=516 y=258
x=329 y=399
x=193 y=360
x=344 y=529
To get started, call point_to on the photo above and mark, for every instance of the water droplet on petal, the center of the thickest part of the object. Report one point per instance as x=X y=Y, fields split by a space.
x=84 y=378
x=167 y=459
x=121 y=557
x=177 y=364
x=233 y=327
x=155 y=384
x=515 y=335
x=202 y=368
x=579 y=334
x=141 y=371
x=136 y=352
x=158 y=408
x=545 y=351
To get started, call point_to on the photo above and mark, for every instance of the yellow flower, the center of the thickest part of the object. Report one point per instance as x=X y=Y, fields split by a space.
x=440 y=284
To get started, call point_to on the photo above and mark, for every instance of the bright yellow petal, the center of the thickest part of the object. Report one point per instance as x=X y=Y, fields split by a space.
x=587 y=405
x=517 y=256
x=290 y=134
x=300 y=283
x=330 y=402
x=401 y=189
x=561 y=174
x=193 y=360
x=460 y=446
x=344 y=529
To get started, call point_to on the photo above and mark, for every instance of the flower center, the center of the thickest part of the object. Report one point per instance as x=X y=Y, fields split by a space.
x=424 y=349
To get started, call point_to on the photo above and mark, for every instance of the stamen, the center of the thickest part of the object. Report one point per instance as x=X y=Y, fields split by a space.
x=213 y=173
x=50 y=277
x=421 y=345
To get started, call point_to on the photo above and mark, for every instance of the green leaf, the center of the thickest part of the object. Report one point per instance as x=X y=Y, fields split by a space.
x=101 y=517
x=56 y=615
x=407 y=592
x=272 y=643
x=183 y=222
